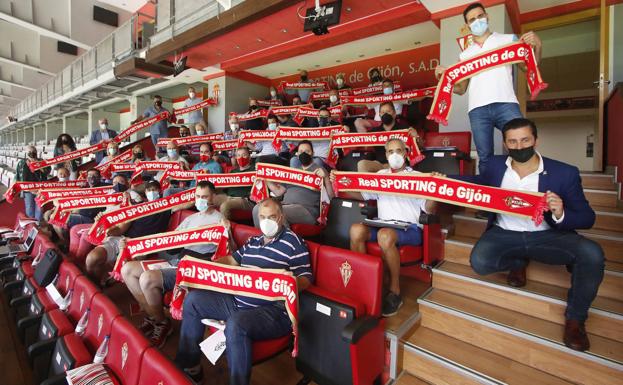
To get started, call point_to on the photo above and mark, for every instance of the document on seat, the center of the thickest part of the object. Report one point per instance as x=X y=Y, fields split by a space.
x=401 y=225
x=54 y=294
x=25 y=222
x=89 y=374
x=156 y=264
x=214 y=346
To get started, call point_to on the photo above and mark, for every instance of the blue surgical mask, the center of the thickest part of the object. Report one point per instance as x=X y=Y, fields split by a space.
x=479 y=26
x=171 y=153
x=201 y=204
x=152 y=195
x=272 y=126
x=388 y=90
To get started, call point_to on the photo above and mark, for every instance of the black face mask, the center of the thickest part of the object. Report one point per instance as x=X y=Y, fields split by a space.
x=387 y=119
x=521 y=155
x=120 y=187
x=323 y=121
x=93 y=181
x=253 y=107
x=158 y=103
x=303 y=78
x=375 y=78
x=183 y=135
x=32 y=155
x=138 y=155
x=305 y=159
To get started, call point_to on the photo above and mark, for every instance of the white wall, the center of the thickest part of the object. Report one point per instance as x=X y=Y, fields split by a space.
x=564 y=139
x=616 y=45
x=87 y=30
x=449 y=54
x=236 y=98
x=75 y=126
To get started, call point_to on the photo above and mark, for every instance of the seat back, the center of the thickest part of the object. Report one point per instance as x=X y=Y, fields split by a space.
x=177 y=218
x=242 y=233
x=461 y=140
x=350 y=274
x=102 y=315
x=125 y=351
x=313 y=254
x=156 y=368
x=84 y=291
x=342 y=214
x=67 y=274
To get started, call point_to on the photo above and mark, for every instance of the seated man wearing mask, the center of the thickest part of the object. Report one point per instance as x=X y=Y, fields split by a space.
x=509 y=242
x=391 y=207
x=321 y=147
x=205 y=163
x=112 y=151
x=173 y=155
x=62 y=174
x=101 y=259
x=266 y=152
x=300 y=205
x=257 y=123
x=365 y=125
x=236 y=198
x=389 y=123
x=148 y=287
x=25 y=175
x=247 y=319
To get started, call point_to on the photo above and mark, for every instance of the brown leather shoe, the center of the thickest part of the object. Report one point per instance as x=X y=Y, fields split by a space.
x=517 y=278
x=575 y=336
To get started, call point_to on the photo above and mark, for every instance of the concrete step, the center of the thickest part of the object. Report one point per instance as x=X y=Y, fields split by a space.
x=598 y=181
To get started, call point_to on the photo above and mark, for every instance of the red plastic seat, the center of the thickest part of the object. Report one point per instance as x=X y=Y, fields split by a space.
x=177 y=218
x=242 y=233
x=156 y=368
x=125 y=351
x=242 y=216
x=307 y=231
x=75 y=236
x=67 y=273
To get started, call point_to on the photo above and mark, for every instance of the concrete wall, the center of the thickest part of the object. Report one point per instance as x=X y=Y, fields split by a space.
x=237 y=94
x=564 y=139
x=76 y=126
x=616 y=45
x=87 y=30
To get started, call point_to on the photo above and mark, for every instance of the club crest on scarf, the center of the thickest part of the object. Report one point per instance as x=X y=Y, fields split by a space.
x=443 y=105
x=346 y=271
x=516 y=202
x=344 y=181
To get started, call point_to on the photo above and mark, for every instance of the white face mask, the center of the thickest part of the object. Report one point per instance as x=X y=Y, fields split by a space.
x=388 y=90
x=112 y=151
x=233 y=126
x=269 y=227
x=273 y=93
x=103 y=126
x=396 y=161
x=272 y=126
x=332 y=98
x=62 y=179
x=340 y=82
x=191 y=95
x=199 y=133
x=152 y=195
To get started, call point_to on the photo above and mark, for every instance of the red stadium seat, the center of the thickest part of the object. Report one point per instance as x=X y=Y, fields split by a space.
x=156 y=368
x=125 y=351
x=307 y=231
x=177 y=218
x=344 y=340
x=461 y=140
x=242 y=216
x=242 y=233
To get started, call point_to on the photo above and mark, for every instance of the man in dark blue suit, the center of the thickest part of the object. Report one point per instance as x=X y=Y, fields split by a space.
x=104 y=133
x=510 y=242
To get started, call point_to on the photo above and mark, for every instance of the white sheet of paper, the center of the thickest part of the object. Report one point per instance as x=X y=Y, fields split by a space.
x=213 y=323
x=160 y=266
x=54 y=294
x=214 y=346
x=25 y=222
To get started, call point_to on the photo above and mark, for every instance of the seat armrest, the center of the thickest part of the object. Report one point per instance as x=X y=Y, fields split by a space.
x=20 y=301
x=27 y=322
x=428 y=219
x=370 y=211
x=8 y=271
x=40 y=347
x=9 y=286
x=358 y=328
x=59 y=379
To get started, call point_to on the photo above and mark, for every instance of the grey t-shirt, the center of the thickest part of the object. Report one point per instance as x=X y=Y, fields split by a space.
x=303 y=196
x=199 y=220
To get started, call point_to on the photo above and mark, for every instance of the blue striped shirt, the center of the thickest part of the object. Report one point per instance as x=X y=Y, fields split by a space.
x=285 y=251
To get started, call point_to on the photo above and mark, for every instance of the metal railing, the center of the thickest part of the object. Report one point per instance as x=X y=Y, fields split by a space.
x=176 y=16
x=100 y=59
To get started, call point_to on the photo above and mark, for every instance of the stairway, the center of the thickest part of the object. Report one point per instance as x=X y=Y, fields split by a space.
x=476 y=329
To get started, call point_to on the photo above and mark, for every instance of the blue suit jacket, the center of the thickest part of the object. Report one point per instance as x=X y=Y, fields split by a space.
x=557 y=177
x=96 y=137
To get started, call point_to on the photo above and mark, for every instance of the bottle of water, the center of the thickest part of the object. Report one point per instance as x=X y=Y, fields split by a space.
x=102 y=351
x=67 y=300
x=55 y=280
x=82 y=324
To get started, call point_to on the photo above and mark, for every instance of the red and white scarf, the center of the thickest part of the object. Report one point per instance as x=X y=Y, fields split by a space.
x=136 y=127
x=303 y=85
x=97 y=233
x=189 y=140
x=405 y=96
x=135 y=247
x=255 y=136
x=49 y=195
x=305 y=112
x=288 y=110
x=18 y=187
x=518 y=52
x=122 y=167
x=269 y=103
x=266 y=284
x=324 y=95
x=33 y=166
x=297 y=134
x=151 y=166
x=225 y=145
x=499 y=200
x=65 y=206
x=238 y=179
x=259 y=114
x=280 y=174
x=349 y=140
x=378 y=89
x=202 y=104
x=183 y=175
x=123 y=157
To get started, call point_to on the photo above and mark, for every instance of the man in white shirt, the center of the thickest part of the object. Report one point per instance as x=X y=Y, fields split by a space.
x=365 y=125
x=492 y=101
x=195 y=116
x=391 y=207
x=511 y=242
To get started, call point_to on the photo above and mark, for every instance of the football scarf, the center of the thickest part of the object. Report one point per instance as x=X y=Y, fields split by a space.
x=202 y=104
x=18 y=187
x=135 y=247
x=288 y=110
x=65 y=206
x=225 y=145
x=508 y=54
x=261 y=113
x=151 y=166
x=349 y=140
x=519 y=203
x=136 y=127
x=404 y=97
x=193 y=139
x=49 y=195
x=97 y=233
x=295 y=134
x=255 y=136
x=324 y=95
x=378 y=89
x=267 y=284
x=305 y=112
x=33 y=166
x=121 y=158
x=269 y=103
x=303 y=86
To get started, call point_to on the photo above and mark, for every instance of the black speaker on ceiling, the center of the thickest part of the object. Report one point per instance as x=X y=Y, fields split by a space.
x=105 y=16
x=67 y=48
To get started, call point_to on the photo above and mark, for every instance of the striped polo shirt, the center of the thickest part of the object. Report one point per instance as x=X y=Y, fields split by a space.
x=285 y=251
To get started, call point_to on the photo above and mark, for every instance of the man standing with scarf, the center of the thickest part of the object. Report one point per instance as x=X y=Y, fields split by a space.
x=492 y=101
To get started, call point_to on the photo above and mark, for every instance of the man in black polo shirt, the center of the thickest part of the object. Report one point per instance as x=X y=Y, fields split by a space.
x=388 y=123
x=100 y=260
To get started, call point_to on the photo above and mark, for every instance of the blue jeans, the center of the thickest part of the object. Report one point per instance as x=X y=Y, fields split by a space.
x=31 y=207
x=501 y=250
x=412 y=235
x=483 y=120
x=243 y=327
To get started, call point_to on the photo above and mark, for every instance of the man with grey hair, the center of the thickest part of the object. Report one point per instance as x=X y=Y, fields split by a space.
x=25 y=175
x=102 y=135
x=394 y=208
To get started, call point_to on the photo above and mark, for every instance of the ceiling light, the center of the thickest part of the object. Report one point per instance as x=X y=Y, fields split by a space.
x=237 y=47
x=284 y=30
x=259 y=39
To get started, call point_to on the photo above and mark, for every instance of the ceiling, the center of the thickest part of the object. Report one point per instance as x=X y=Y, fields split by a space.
x=435 y=6
x=127 y=5
x=401 y=39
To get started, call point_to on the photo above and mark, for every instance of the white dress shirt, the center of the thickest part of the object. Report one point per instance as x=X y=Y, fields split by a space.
x=513 y=181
